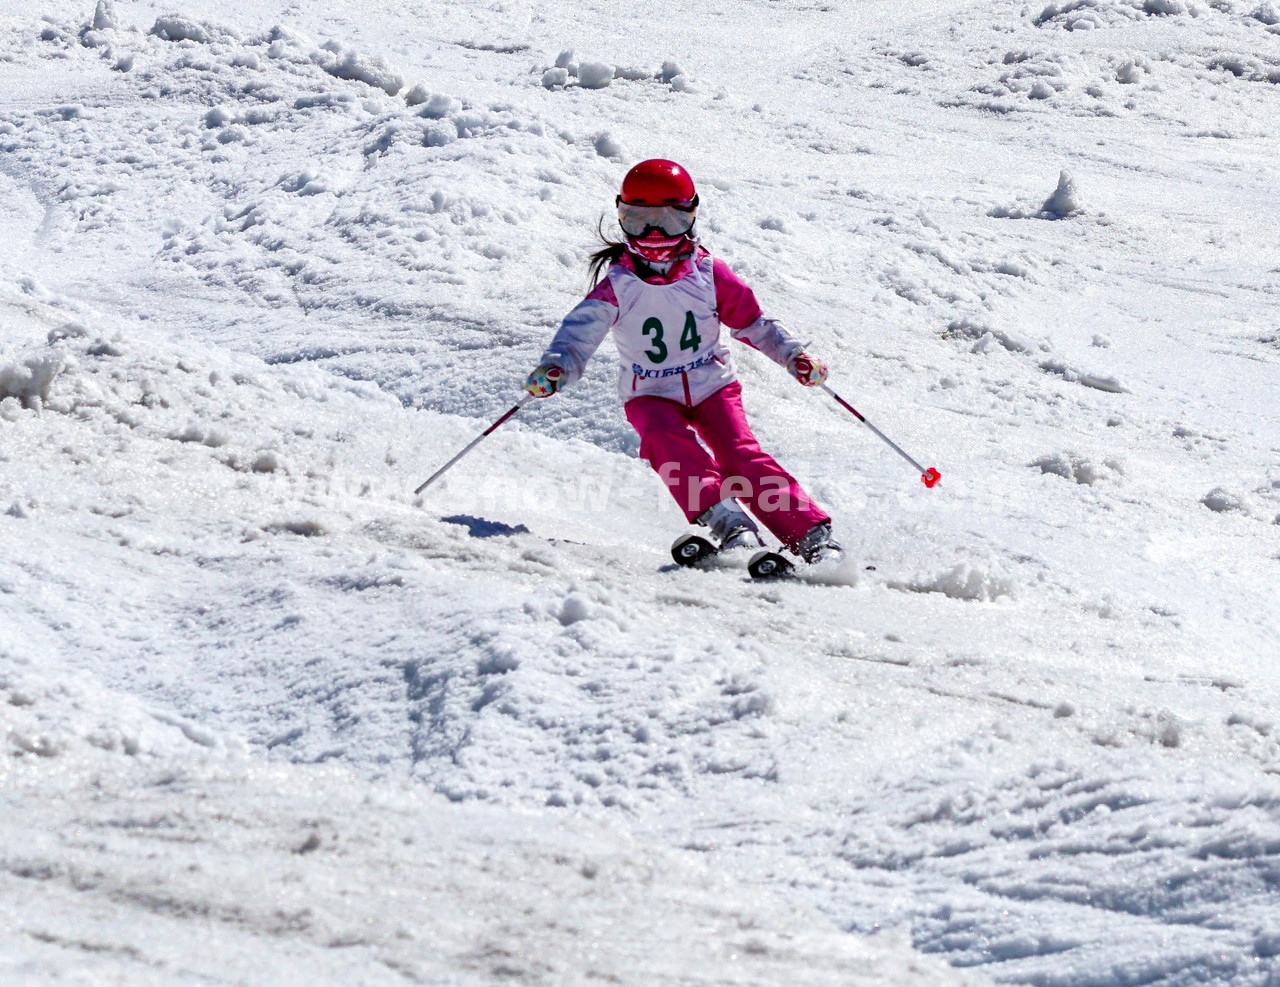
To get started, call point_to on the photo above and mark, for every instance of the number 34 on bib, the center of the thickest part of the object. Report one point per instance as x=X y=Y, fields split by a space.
x=653 y=328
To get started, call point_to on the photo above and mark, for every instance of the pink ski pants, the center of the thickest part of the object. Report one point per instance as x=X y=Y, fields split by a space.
x=728 y=462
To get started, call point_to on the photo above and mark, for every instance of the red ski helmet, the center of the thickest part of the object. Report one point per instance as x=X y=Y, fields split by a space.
x=658 y=182
x=657 y=207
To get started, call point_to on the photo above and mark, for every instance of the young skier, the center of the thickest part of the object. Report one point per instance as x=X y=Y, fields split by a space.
x=665 y=299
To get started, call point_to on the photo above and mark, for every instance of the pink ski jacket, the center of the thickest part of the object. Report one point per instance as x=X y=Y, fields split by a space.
x=668 y=331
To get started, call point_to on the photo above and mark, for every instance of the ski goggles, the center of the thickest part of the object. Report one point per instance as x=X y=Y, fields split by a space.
x=671 y=220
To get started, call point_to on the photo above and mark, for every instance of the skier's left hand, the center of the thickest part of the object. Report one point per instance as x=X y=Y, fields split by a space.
x=809 y=370
x=545 y=381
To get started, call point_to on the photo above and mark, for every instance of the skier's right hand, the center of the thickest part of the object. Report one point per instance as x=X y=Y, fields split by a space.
x=544 y=381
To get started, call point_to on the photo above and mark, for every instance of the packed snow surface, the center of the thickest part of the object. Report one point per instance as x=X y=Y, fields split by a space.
x=267 y=716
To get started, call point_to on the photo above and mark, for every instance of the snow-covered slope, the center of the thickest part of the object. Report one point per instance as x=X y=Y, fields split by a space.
x=266 y=268
x=140 y=849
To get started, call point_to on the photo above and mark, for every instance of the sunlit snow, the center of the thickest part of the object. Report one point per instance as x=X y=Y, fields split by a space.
x=267 y=717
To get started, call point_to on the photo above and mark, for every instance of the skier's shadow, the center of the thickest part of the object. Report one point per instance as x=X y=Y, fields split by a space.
x=479 y=527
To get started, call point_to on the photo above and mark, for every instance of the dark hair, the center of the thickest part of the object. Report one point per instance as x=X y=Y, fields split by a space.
x=609 y=254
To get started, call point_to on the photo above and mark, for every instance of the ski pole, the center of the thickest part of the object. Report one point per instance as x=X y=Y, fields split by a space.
x=929 y=477
x=473 y=443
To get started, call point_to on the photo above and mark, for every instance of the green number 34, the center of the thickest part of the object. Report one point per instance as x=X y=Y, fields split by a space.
x=689 y=338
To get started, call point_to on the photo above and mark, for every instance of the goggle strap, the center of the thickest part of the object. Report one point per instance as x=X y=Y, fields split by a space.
x=687 y=206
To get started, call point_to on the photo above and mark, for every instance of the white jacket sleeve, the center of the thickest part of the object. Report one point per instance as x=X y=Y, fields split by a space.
x=771 y=338
x=579 y=336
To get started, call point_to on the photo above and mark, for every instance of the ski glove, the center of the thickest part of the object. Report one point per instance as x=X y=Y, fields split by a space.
x=806 y=369
x=544 y=381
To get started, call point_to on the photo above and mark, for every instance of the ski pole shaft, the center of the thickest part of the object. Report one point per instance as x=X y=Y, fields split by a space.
x=473 y=443
x=929 y=477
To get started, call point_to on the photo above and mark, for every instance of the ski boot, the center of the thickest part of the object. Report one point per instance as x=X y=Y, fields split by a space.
x=816 y=546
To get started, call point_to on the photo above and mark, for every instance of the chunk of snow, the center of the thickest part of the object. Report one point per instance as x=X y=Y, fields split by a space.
x=574 y=609
x=438 y=105
x=552 y=78
x=96 y=39
x=608 y=146
x=1221 y=501
x=104 y=16
x=268 y=461
x=440 y=133
x=195 y=433
x=1268 y=12
x=1129 y=73
x=218 y=117
x=1112 y=385
x=174 y=28
x=595 y=75
x=29 y=381
x=1065 y=200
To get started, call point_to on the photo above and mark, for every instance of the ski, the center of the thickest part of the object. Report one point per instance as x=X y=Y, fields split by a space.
x=694 y=551
x=770 y=565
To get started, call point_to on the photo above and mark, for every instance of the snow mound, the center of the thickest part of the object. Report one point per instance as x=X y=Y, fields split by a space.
x=992 y=340
x=1099 y=382
x=348 y=63
x=1087 y=15
x=986 y=337
x=1081 y=469
x=963 y=582
x=601 y=75
x=176 y=28
x=71 y=717
x=1063 y=203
